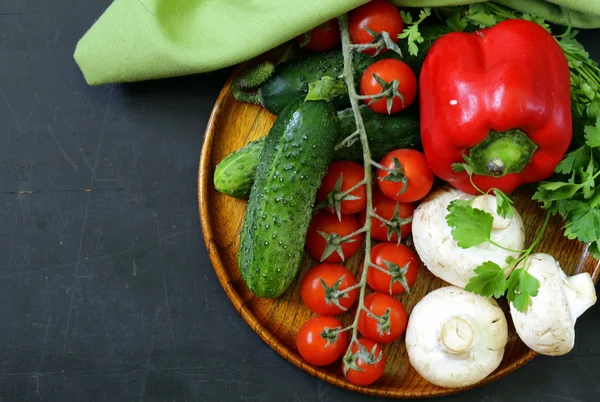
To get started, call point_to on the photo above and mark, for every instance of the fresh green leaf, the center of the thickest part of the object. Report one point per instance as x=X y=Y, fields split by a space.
x=582 y=221
x=593 y=109
x=522 y=286
x=326 y=89
x=456 y=22
x=406 y=17
x=458 y=203
x=481 y=18
x=503 y=204
x=538 y=20
x=592 y=134
x=555 y=190
x=462 y=167
x=573 y=161
x=411 y=32
x=471 y=226
x=489 y=280
x=588 y=176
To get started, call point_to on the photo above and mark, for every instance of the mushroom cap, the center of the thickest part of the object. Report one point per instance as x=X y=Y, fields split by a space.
x=548 y=325
x=439 y=251
x=456 y=338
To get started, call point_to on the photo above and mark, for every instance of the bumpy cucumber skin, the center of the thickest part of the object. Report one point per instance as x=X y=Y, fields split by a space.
x=289 y=83
x=297 y=152
x=234 y=174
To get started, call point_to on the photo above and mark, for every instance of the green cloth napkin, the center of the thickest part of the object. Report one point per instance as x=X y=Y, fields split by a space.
x=138 y=40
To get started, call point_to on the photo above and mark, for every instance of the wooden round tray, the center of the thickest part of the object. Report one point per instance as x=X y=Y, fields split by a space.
x=231 y=126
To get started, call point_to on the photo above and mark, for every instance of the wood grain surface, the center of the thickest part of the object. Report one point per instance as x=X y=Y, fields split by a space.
x=231 y=126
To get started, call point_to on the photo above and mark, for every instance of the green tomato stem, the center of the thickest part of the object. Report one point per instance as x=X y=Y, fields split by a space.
x=347 y=49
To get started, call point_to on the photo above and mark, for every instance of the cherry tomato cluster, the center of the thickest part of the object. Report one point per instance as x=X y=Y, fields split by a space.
x=334 y=235
x=390 y=76
x=336 y=231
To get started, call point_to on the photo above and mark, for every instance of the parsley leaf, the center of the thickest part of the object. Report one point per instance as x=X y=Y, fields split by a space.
x=582 y=221
x=456 y=22
x=411 y=32
x=522 y=286
x=503 y=204
x=489 y=280
x=479 y=16
x=573 y=161
x=471 y=226
x=592 y=134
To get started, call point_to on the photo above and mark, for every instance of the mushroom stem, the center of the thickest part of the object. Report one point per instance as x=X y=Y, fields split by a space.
x=580 y=294
x=457 y=335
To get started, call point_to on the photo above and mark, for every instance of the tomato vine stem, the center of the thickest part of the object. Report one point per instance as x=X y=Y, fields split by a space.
x=348 y=76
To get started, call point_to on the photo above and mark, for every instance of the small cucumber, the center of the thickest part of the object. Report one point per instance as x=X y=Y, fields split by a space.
x=293 y=161
x=234 y=174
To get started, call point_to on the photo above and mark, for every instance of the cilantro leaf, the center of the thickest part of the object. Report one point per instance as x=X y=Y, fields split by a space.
x=503 y=204
x=463 y=167
x=471 y=226
x=411 y=32
x=489 y=280
x=555 y=190
x=522 y=286
x=592 y=134
x=479 y=16
x=458 y=203
x=582 y=221
x=573 y=161
x=406 y=17
x=456 y=22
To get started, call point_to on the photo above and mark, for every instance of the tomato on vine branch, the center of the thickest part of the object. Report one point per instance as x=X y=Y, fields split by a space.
x=324 y=289
x=320 y=341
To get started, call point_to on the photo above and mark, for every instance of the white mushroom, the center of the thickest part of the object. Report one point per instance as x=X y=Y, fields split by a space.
x=456 y=338
x=440 y=252
x=548 y=324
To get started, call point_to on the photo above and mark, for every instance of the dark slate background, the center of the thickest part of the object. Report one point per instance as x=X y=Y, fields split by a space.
x=106 y=290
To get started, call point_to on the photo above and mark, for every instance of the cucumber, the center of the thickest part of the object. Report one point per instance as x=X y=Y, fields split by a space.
x=293 y=161
x=279 y=86
x=289 y=82
x=234 y=175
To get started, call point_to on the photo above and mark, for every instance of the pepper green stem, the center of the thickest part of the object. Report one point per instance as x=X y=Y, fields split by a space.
x=502 y=153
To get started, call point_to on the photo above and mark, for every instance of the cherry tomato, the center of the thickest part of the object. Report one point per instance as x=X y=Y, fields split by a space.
x=386 y=208
x=329 y=224
x=416 y=170
x=389 y=70
x=399 y=255
x=324 y=37
x=351 y=173
x=312 y=339
x=390 y=310
x=325 y=301
x=377 y=15
x=372 y=365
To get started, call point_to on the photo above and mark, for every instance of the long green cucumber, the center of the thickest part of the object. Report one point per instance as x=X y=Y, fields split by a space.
x=294 y=159
x=235 y=173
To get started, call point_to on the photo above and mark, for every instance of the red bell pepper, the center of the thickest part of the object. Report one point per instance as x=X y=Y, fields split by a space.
x=501 y=97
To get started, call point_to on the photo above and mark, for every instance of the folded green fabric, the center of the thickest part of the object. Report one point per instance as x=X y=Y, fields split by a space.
x=138 y=40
